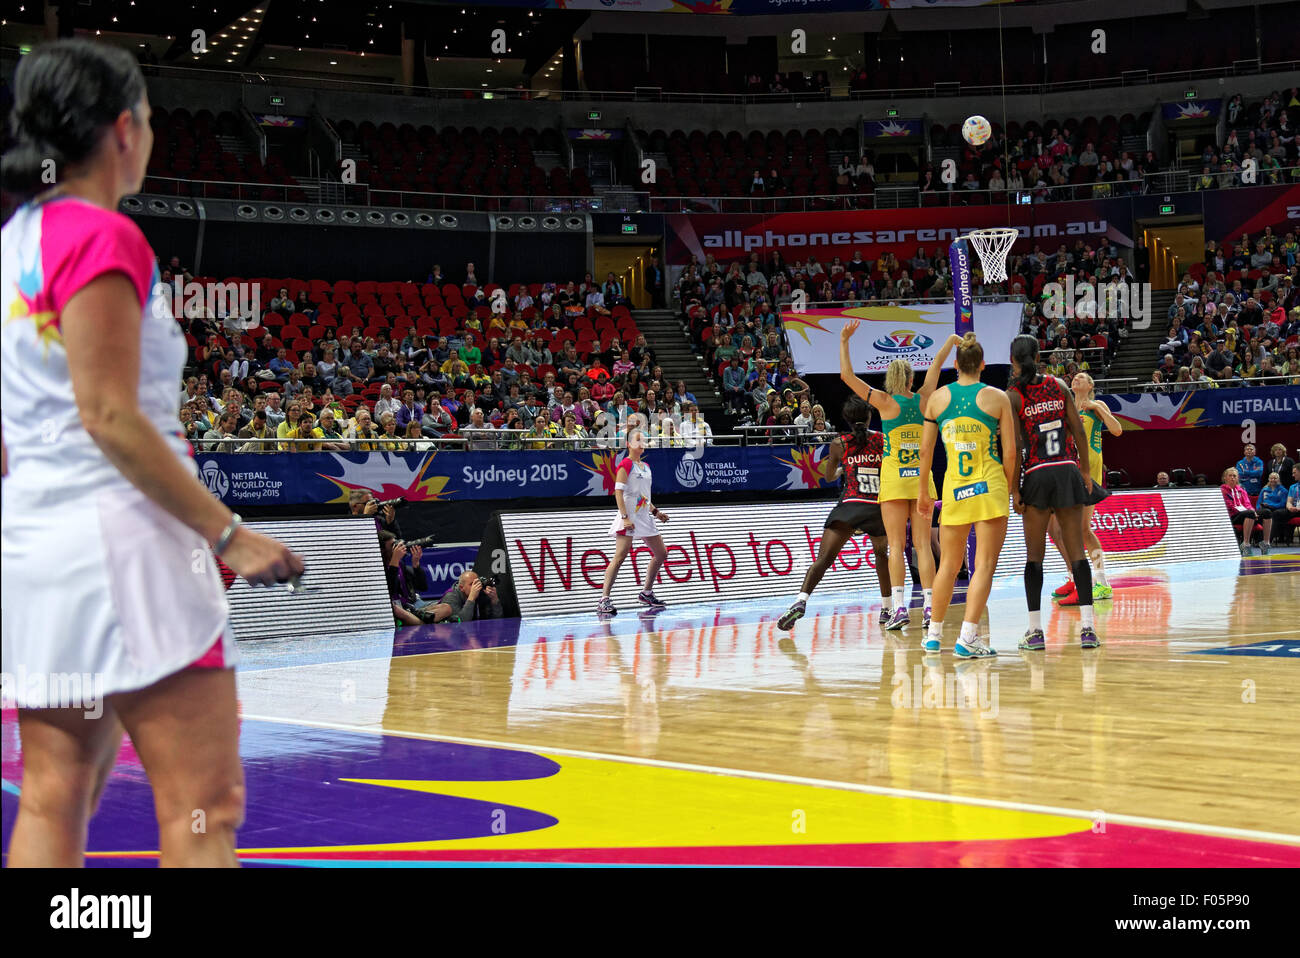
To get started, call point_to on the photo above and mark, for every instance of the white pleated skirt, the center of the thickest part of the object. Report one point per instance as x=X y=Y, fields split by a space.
x=106 y=586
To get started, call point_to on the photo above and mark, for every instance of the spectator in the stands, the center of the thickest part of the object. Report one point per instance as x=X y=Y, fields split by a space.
x=756 y=185
x=281 y=303
x=407 y=410
x=1162 y=480
x=386 y=401
x=1250 y=471
x=220 y=438
x=328 y=428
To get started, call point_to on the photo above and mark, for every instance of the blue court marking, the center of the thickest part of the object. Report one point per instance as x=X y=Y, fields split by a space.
x=1278 y=649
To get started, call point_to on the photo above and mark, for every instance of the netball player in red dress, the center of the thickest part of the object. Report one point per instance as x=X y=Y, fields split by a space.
x=860 y=452
x=1053 y=481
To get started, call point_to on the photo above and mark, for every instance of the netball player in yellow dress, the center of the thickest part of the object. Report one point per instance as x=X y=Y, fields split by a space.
x=900 y=472
x=981 y=477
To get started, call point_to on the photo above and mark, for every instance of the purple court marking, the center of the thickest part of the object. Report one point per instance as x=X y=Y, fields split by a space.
x=296 y=796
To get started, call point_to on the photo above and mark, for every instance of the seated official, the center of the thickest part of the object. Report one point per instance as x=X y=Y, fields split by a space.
x=468 y=600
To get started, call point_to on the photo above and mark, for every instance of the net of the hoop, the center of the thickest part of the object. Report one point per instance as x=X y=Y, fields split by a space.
x=992 y=247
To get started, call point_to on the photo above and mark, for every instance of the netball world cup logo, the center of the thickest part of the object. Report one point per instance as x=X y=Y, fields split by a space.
x=215 y=479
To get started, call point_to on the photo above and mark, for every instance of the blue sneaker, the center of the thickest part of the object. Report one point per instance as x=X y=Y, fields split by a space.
x=1033 y=641
x=975 y=648
x=930 y=643
x=1088 y=639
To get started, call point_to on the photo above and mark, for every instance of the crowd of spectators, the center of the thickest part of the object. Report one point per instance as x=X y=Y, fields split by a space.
x=734 y=313
x=1082 y=160
x=527 y=367
x=1235 y=319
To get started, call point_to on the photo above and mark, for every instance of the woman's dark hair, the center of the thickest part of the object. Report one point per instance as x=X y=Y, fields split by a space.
x=857 y=414
x=65 y=93
x=1024 y=353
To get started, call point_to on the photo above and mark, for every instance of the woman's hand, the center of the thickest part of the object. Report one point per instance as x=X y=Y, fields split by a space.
x=924 y=504
x=628 y=523
x=661 y=516
x=1017 y=503
x=260 y=559
x=849 y=329
x=399 y=553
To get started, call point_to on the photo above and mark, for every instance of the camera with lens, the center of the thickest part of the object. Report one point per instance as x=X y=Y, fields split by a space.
x=387 y=502
x=424 y=543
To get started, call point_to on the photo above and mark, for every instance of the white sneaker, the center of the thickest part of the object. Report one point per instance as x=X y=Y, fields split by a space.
x=975 y=648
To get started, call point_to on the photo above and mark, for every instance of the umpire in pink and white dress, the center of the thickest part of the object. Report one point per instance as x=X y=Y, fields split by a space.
x=108 y=533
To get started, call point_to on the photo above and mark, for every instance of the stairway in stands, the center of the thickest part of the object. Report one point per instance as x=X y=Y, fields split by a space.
x=1140 y=354
x=672 y=345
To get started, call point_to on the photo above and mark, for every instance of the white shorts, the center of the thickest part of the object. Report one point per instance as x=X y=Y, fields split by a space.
x=643 y=526
x=104 y=585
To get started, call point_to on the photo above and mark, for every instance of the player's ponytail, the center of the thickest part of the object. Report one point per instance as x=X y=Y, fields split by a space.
x=898 y=377
x=1024 y=355
x=65 y=93
x=857 y=414
x=970 y=355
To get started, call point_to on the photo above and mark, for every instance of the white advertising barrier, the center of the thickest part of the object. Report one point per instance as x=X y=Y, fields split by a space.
x=913 y=332
x=725 y=553
x=344 y=586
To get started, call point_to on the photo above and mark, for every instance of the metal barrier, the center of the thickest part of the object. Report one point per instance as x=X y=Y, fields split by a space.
x=625 y=201
x=516 y=439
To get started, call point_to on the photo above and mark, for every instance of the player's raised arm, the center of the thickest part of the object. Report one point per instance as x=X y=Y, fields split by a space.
x=929 y=435
x=936 y=368
x=873 y=397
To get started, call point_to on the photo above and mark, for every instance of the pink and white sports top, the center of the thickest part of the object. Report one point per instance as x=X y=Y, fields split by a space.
x=51 y=250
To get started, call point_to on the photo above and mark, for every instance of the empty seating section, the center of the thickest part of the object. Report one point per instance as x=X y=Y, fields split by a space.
x=718 y=164
x=194 y=147
x=464 y=161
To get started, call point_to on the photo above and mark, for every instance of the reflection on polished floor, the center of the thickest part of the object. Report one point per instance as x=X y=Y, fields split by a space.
x=704 y=735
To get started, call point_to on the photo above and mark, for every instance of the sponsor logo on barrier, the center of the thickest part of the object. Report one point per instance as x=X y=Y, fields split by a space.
x=1130 y=523
x=903 y=341
x=770 y=239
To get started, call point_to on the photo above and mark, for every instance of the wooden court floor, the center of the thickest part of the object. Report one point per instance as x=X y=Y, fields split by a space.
x=704 y=735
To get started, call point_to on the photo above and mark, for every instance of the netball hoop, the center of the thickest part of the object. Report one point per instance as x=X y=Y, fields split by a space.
x=993 y=245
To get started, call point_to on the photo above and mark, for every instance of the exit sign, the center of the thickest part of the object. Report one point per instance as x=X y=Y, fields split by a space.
x=1189 y=94
x=593 y=114
x=277 y=100
x=1166 y=209
x=629 y=227
x=891 y=112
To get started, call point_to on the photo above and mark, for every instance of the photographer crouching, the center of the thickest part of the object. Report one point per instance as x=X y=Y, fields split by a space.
x=469 y=599
x=406 y=582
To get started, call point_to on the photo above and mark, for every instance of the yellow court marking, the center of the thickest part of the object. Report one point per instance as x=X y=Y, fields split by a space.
x=604 y=804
